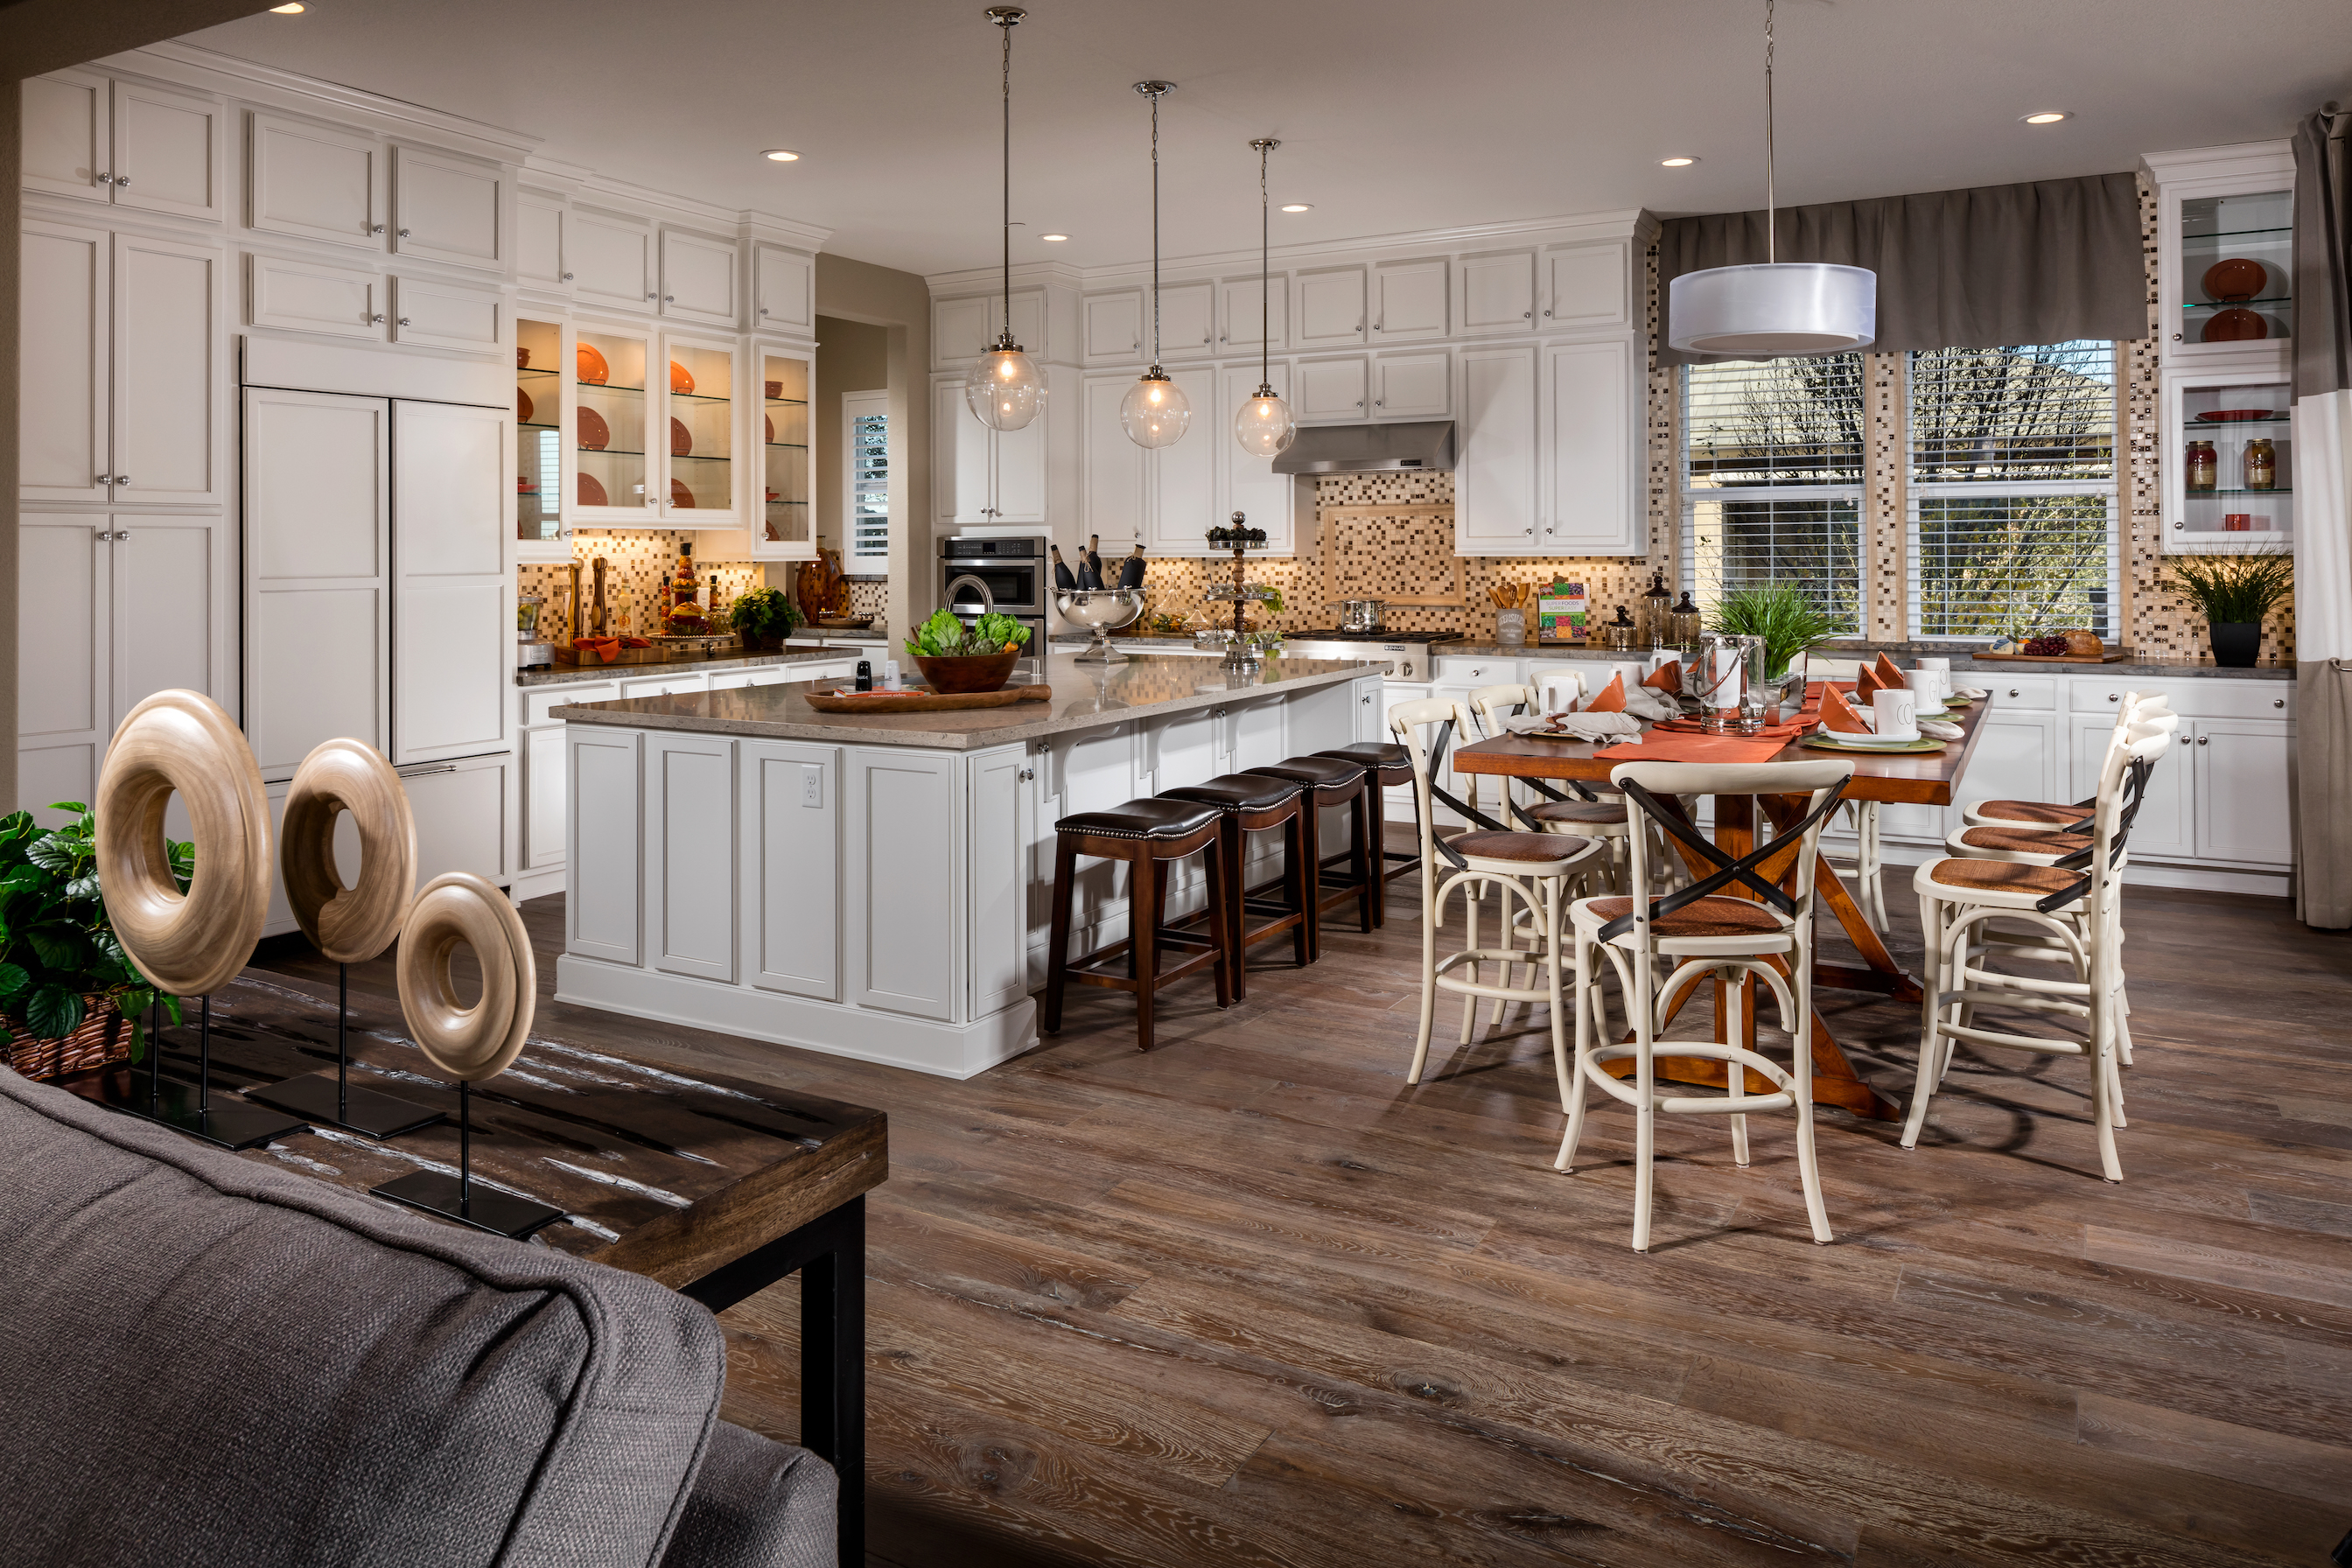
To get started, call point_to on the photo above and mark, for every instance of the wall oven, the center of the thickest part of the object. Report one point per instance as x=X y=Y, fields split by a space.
x=1007 y=574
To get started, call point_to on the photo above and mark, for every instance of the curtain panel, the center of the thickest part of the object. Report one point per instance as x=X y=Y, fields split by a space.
x=2042 y=262
x=2323 y=481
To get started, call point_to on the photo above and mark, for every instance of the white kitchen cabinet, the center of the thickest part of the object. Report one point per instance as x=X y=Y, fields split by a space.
x=1333 y=391
x=448 y=208
x=1188 y=326
x=460 y=811
x=791 y=867
x=1019 y=466
x=962 y=329
x=1331 y=307
x=2242 y=767
x=539 y=219
x=1112 y=325
x=784 y=286
x=544 y=792
x=611 y=258
x=1118 y=474
x=2016 y=757
x=299 y=295
x=2196 y=522
x=1000 y=821
x=1592 y=503
x=126 y=143
x=316 y=182
x=1494 y=461
x=2165 y=829
x=1251 y=314
x=452 y=595
x=902 y=942
x=676 y=685
x=698 y=279
x=1408 y=300
x=2213 y=203
x=605 y=844
x=1414 y=385
x=693 y=446
x=786 y=375
x=984 y=476
x=112 y=608
x=611 y=426
x=121 y=371
x=1587 y=285
x=1496 y=293
x=1183 y=478
x=429 y=314
x=1247 y=483
x=690 y=854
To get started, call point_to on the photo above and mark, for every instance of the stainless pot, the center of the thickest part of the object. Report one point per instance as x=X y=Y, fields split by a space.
x=1360 y=614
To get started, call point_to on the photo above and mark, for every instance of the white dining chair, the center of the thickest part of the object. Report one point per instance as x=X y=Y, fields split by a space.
x=1863 y=865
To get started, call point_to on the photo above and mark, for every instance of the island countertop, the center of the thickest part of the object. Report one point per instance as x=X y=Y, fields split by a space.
x=1085 y=696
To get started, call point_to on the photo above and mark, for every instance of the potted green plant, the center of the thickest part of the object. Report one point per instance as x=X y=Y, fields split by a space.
x=69 y=993
x=957 y=657
x=2234 y=592
x=764 y=617
x=1779 y=614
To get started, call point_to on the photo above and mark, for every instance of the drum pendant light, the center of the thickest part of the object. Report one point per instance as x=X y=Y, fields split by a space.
x=1155 y=411
x=1264 y=425
x=1003 y=389
x=1779 y=308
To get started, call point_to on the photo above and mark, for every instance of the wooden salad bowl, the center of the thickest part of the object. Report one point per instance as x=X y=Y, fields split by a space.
x=969 y=672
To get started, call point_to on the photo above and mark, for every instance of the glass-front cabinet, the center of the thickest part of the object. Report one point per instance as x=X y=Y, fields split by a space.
x=696 y=428
x=2224 y=240
x=786 y=528
x=541 y=531
x=2229 y=462
x=612 y=419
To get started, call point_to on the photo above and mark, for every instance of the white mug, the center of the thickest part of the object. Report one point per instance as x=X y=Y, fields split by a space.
x=1926 y=688
x=1943 y=669
x=1895 y=715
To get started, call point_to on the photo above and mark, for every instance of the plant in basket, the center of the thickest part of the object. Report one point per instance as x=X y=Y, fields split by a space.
x=764 y=617
x=957 y=657
x=64 y=977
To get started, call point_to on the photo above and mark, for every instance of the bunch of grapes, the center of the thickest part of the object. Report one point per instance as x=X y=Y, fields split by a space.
x=2045 y=646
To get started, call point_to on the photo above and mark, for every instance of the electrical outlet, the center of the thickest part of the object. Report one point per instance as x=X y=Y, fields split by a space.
x=812 y=786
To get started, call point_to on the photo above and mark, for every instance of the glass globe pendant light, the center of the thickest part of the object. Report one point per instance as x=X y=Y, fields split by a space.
x=1264 y=424
x=1004 y=388
x=1780 y=307
x=1155 y=411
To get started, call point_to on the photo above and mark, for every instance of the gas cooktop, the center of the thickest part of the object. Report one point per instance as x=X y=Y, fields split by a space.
x=1333 y=635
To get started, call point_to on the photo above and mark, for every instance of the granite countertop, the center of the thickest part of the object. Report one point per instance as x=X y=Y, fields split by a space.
x=2268 y=669
x=1085 y=696
x=627 y=667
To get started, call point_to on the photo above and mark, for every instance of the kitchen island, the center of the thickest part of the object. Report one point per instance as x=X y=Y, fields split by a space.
x=878 y=886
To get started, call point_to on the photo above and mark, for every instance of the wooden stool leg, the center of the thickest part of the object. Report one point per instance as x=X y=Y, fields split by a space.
x=1310 y=830
x=1143 y=950
x=1298 y=874
x=1359 y=824
x=1225 y=925
x=1057 y=946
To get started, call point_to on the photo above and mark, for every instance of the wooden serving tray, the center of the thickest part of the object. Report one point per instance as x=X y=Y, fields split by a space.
x=2106 y=656
x=927 y=702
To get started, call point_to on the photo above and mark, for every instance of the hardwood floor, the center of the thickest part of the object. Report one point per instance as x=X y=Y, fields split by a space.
x=1252 y=1299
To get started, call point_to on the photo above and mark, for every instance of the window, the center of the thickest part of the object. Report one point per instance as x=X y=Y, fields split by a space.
x=1772 y=478
x=865 y=482
x=2013 y=504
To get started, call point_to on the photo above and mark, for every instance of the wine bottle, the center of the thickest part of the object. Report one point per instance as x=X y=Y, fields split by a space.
x=1131 y=570
x=1094 y=557
x=1062 y=576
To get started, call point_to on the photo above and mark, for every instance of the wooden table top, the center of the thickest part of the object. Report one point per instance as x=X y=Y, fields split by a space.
x=665 y=1174
x=1922 y=778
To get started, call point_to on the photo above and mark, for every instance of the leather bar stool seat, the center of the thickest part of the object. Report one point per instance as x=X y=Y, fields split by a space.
x=1150 y=835
x=1336 y=782
x=1247 y=804
x=1393 y=764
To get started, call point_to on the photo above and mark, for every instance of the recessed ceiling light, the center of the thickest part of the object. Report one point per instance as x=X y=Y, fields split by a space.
x=1676 y=163
x=2047 y=116
x=1299 y=207
x=1054 y=238
x=781 y=155
x=286 y=10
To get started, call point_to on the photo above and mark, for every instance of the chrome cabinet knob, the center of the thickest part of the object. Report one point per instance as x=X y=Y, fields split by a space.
x=567 y=277
x=376 y=320
x=403 y=321
x=2185 y=739
x=122 y=536
x=763 y=310
x=105 y=478
x=1026 y=775
x=2012 y=692
x=123 y=180
x=103 y=533
x=2279 y=703
x=1547 y=315
x=650 y=294
x=2176 y=337
x=2201 y=740
x=2111 y=697
x=669 y=299
x=1528 y=316
x=404 y=234
x=102 y=179
x=122 y=478
x=375 y=228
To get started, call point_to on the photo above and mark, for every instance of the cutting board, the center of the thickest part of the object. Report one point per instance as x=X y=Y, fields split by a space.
x=2106 y=656
x=920 y=701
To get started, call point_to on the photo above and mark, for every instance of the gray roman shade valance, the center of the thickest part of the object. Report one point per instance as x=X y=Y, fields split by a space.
x=2042 y=262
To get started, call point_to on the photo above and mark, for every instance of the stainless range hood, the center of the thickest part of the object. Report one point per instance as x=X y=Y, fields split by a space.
x=1368 y=448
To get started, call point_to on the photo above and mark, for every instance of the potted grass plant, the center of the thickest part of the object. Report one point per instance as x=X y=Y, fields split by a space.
x=2234 y=592
x=1776 y=614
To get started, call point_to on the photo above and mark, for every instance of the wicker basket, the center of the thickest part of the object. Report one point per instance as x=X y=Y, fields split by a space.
x=102 y=1039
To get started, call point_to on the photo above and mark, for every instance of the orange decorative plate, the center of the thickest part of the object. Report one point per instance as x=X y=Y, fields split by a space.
x=771 y=432
x=2237 y=278
x=591 y=493
x=593 y=368
x=679 y=495
x=680 y=378
x=681 y=440
x=595 y=434
x=523 y=405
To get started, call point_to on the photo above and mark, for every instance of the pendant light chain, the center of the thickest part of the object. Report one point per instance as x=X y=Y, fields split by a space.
x=1155 y=230
x=1007 y=30
x=1265 y=272
x=1772 y=198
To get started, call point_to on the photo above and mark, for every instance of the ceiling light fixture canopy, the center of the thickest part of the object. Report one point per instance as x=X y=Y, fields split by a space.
x=1676 y=163
x=1299 y=207
x=1778 y=309
x=1264 y=424
x=781 y=155
x=1003 y=389
x=1155 y=411
x=2047 y=116
x=1053 y=239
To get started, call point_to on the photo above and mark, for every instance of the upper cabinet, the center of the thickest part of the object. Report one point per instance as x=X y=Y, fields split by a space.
x=962 y=329
x=1112 y=324
x=1408 y=300
x=698 y=278
x=540 y=220
x=1587 y=285
x=1254 y=316
x=694 y=425
x=787 y=382
x=1590 y=503
x=1496 y=293
x=1188 y=326
x=783 y=285
x=446 y=208
x=610 y=257
x=126 y=143
x=1330 y=312
x=2225 y=227
x=316 y=182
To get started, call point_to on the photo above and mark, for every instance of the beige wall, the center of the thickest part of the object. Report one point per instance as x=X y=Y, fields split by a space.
x=850 y=357
x=900 y=303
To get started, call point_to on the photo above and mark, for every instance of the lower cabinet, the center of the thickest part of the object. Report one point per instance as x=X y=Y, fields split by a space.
x=791 y=867
x=460 y=807
x=689 y=846
x=2239 y=778
x=2162 y=828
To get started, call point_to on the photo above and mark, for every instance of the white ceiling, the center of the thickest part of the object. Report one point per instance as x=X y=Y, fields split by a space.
x=1393 y=116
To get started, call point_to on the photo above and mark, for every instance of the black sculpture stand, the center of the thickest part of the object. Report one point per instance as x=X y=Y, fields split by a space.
x=230 y=1124
x=454 y=1197
x=331 y=1101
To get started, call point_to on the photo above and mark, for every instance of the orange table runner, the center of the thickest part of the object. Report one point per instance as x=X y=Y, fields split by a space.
x=1660 y=747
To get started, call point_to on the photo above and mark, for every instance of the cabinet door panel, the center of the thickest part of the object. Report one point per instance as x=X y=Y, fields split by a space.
x=611 y=258
x=68 y=137
x=791 y=918
x=997 y=794
x=460 y=812
x=959 y=332
x=1333 y=389
x=698 y=279
x=310 y=297
x=167 y=151
x=1187 y=320
x=960 y=450
x=65 y=358
x=1498 y=292
x=902 y=828
x=1028 y=321
x=1184 y=489
x=315 y=183
x=447 y=209
x=1114 y=327
x=541 y=754
x=1408 y=300
x=1251 y=485
x=604 y=853
x=1116 y=465
x=690 y=854
x=437 y=315
x=1020 y=472
x=539 y=240
x=170 y=586
x=1589 y=505
x=65 y=640
x=1331 y=307
x=1253 y=315
x=1495 y=469
x=2017 y=758
x=2162 y=831
x=453 y=693
x=2241 y=790
x=1587 y=285
x=167 y=377
x=786 y=285
x=1412 y=386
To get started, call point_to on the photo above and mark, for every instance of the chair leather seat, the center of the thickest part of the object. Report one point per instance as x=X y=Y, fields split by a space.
x=1155 y=817
x=2032 y=811
x=1373 y=754
x=2002 y=877
x=1711 y=916
x=1323 y=773
x=1238 y=792
x=1528 y=847
x=1607 y=813
x=2024 y=841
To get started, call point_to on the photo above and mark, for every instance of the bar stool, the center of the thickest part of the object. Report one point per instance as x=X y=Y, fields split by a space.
x=2046 y=815
x=1332 y=783
x=1385 y=767
x=1147 y=834
x=1247 y=804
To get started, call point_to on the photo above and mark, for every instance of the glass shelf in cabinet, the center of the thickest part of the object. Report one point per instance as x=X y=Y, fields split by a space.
x=698 y=457
x=2201 y=495
x=788 y=446
x=607 y=452
x=523 y=370
x=608 y=386
x=2233 y=304
x=787 y=403
x=701 y=397
x=535 y=425
x=2209 y=426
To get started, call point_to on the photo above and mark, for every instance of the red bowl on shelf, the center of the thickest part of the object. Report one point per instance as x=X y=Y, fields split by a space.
x=522 y=359
x=595 y=434
x=771 y=432
x=681 y=440
x=775 y=389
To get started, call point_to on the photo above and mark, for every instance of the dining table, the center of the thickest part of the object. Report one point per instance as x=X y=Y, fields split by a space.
x=1899 y=778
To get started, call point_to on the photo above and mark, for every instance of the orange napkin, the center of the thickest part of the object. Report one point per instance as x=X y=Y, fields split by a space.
x=1667 y=677
x=1790 y=731
x=1890 y=674
x=1610 y=699
x=1658 y=748
x=1866 y=682
x=1838 y=715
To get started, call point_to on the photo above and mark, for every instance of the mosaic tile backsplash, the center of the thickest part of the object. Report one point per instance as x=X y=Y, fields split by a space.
x=638 y=566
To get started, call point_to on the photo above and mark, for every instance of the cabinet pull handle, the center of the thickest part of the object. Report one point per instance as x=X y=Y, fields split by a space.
x=567 y=277
x=2278 y=702
x=1027 y=773
x=2176 y=337
x=1547 y=315
x=104 y=534
x=403 y=321
x=105 y=478
x=2014 y=692
x=375 y=228
x=1528 y=316
x=123 y=180
x=404 y=234
x=376 y=320
x=649 y=294
x=123 y=536
x=102 y=179
x=2184 y=740
x=2111 y=697
x=669 y=299
x=419 y=770
x=2201 y=740
x=122 y=478
x=763 y=310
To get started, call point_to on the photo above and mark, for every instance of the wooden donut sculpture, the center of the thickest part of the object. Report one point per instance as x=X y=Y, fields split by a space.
x=349 y=925
x=481 y=1041
x=181 y=742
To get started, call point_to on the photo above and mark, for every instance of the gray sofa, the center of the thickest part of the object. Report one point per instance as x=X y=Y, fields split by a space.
x=207 y=1360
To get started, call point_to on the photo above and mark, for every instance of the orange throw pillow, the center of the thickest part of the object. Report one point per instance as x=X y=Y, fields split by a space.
x=1890 y=674
x=1610 y=699
x=1667 y=677
x=1838 y=715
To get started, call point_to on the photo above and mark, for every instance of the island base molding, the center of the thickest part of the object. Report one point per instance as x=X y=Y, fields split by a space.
x=892 y=1039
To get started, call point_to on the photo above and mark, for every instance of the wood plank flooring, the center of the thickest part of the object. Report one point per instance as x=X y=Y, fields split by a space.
x=1251 y=1300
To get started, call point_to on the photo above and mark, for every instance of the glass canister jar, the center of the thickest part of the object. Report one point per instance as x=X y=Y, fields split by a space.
x=2202 y=469
x=1685 y=623
x=1621 y=633
x=1654 y=622
x=2261 y=464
